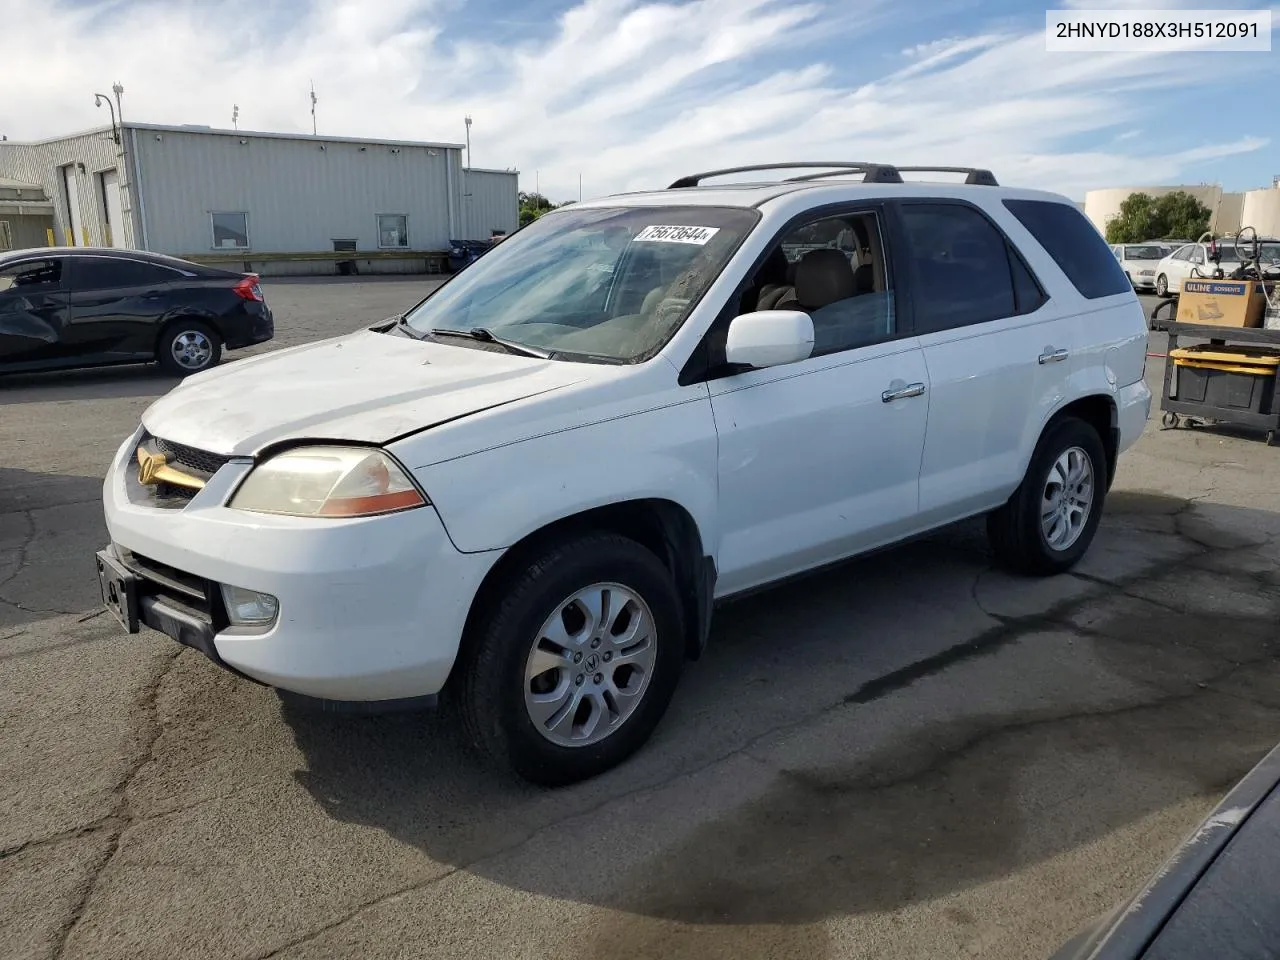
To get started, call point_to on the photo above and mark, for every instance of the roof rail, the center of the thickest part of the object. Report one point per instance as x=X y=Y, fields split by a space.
x=871 y=172
x=976 y=175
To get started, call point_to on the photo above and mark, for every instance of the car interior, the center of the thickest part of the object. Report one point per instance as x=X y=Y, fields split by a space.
x=835 y=271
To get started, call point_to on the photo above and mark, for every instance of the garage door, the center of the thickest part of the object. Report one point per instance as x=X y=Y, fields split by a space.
x=115 y=217
x=69 y=178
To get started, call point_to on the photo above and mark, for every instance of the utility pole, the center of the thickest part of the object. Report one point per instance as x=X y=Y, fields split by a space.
x=467 y=121
x=313 y=108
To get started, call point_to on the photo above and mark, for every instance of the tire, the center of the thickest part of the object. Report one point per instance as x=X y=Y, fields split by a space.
x=193 y=340
x=1018 y=537
x=1162 y=286
x=496 y=685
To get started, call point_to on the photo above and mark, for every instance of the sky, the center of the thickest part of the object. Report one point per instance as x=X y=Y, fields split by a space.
x=630 y=94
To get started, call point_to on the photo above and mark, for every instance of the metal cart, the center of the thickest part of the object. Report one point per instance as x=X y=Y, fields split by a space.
x=1233 y=379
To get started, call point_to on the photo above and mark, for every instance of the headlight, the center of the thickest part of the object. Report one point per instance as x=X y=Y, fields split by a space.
x=328 y=482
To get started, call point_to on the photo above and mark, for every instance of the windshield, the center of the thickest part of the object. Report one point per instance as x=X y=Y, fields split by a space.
x=613 y=283
x=1147 y=252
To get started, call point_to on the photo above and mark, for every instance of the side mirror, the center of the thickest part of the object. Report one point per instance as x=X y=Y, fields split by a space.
x=769 y=338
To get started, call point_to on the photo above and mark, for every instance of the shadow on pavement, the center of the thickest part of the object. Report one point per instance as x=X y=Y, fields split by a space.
x=93 y=383
x=941 y=809
x=50 y=526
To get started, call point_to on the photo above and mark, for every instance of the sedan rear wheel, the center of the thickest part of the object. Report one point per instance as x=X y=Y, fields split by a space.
x=189 y=346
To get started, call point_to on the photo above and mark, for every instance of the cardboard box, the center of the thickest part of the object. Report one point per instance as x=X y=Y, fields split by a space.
x=1222 y=303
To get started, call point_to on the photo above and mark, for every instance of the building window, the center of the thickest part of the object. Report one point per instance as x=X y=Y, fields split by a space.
x=230 y=230
x=393 y=230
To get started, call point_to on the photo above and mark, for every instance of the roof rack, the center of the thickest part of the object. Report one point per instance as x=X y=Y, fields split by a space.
x=976 y=175
x=871 y=172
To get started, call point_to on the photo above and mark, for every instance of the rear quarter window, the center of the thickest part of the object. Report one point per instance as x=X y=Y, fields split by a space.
x=1076 y=247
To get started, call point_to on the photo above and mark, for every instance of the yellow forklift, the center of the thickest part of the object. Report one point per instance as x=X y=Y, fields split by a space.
x=1231 y=375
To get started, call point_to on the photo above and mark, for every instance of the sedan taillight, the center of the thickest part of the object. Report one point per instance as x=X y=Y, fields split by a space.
x=249 y=289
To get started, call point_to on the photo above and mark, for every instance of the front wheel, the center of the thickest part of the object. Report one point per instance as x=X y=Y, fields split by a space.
x=1162 y=286
x=571 y=670
x=1050 y=521
x=187 y=347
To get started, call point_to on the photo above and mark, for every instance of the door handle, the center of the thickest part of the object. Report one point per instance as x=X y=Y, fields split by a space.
x=1053 y=357
x=910 y=390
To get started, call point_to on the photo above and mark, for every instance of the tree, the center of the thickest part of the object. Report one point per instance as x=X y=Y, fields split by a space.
x=532 y=206
x=1182 y=215
x=1143 y=217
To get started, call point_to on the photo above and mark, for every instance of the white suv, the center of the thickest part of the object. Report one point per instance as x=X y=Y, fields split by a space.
x=529 y=491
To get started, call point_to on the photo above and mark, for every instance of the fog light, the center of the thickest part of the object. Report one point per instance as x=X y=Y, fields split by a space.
x=249 y=608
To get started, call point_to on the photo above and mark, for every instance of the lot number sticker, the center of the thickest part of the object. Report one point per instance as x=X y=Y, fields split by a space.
x=658 y=234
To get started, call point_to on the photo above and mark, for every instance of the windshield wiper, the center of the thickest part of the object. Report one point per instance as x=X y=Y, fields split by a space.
x=484 y=335
x=402 y=324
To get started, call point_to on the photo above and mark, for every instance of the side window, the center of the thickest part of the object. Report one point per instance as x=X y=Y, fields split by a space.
x=1197 y=255
x=1182 y=253
x=1075 y=245
x=963 y=273
x=835 y=270
x=31 y=276
x=108 y=273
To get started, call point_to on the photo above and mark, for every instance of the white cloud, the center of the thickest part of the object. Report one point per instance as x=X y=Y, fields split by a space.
x=631 y=93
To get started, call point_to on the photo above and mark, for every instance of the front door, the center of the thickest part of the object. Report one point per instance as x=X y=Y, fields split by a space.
x=820 y=459
x=33 y=312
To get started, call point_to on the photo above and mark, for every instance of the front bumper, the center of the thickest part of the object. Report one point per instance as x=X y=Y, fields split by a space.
x=370 y=609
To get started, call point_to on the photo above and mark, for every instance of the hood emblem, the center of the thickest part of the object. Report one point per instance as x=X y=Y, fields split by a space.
x=153 y=468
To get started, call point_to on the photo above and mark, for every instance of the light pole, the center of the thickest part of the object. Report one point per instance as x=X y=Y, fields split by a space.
x=98 y=100
x=467 y=121
x=235 y=115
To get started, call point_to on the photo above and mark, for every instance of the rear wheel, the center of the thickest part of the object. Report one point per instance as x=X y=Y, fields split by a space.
x=573 y=667
x=1050 y=521
x=187 y=347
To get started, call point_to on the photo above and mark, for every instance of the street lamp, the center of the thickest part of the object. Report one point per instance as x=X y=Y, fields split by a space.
x=98 y=100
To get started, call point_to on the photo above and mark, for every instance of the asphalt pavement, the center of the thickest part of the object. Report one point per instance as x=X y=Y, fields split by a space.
x=910 y=755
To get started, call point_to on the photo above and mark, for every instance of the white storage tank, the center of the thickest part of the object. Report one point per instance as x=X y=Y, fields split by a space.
x=1262 y=211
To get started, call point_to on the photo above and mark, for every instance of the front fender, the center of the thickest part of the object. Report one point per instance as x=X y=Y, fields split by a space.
x=493 y=499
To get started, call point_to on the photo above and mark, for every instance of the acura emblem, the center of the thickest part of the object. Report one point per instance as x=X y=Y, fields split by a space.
x=149 y=465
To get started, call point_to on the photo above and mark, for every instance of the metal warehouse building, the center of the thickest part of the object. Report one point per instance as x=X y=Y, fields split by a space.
x=270 y=203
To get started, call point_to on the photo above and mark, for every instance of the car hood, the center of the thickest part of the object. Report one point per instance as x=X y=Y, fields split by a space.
x=366 y=387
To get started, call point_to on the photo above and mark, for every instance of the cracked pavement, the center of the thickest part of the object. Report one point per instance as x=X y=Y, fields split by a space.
x=910 y=755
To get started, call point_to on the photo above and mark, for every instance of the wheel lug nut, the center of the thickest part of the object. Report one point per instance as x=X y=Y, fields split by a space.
x=607 y=656
x=599 y=678
x=577 y=658
x=595 y=643
x=578 y=679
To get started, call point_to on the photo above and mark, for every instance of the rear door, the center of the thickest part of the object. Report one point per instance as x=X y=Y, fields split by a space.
x=116 y=306
x=996 y=349
x=33 y=311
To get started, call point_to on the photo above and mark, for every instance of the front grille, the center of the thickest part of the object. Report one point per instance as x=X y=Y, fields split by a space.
x=199 y=461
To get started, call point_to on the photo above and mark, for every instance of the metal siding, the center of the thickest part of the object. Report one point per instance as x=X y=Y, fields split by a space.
x=41 y=163
x=28 y=231
x=299 y=197
x=490 y=202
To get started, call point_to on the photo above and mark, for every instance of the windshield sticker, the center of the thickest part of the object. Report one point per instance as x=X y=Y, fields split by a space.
x=659 y=234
